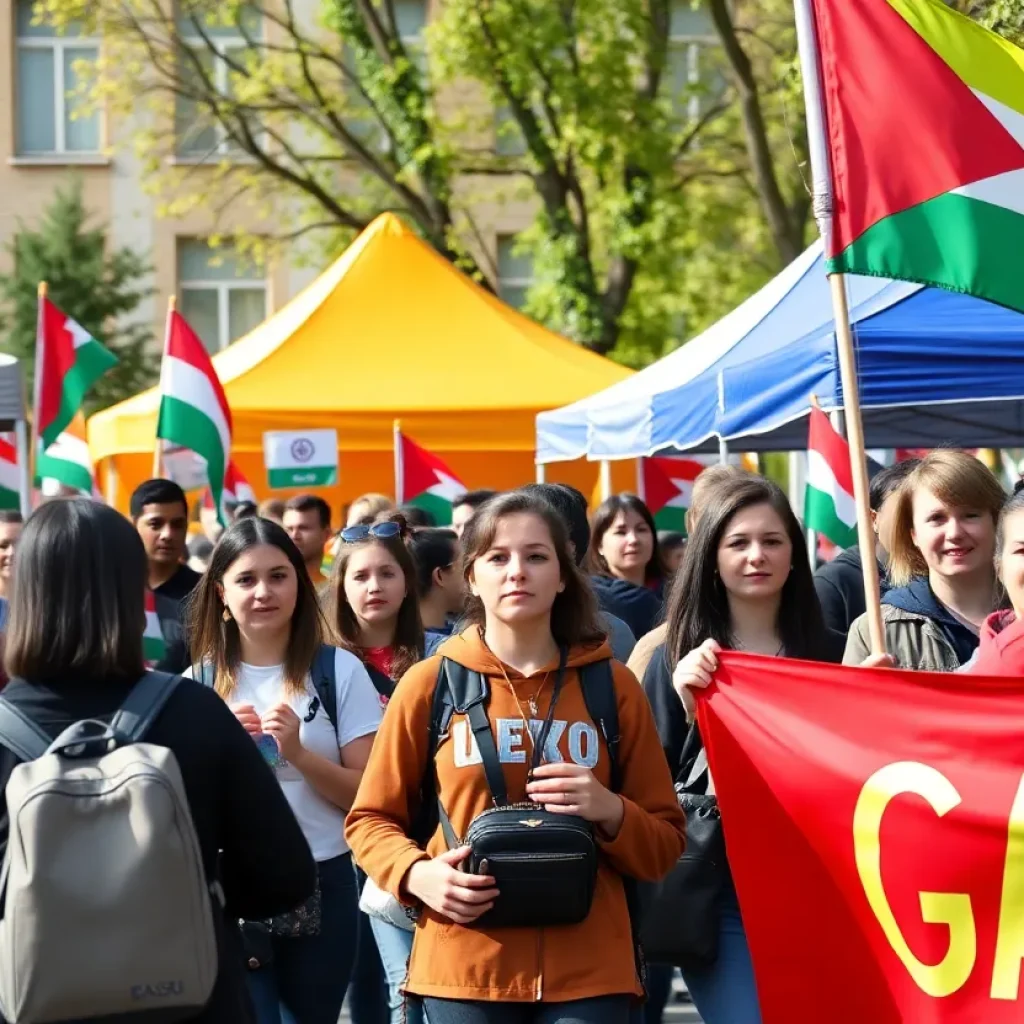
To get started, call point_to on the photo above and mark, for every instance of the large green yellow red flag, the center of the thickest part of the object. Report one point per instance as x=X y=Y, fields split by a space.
x=924 y=126
x=874 y=822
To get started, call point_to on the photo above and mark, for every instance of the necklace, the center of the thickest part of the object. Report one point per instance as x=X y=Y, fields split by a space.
x=738 y=645
x=531 y=700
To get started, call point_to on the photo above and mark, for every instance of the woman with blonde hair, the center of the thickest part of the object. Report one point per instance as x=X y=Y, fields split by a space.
x=367 y=507
x=940 y=566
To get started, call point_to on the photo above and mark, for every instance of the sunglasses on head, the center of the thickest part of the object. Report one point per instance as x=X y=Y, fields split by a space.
x=354 y=534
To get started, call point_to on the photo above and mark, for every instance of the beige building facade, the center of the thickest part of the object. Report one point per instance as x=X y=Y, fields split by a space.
x=43 y=144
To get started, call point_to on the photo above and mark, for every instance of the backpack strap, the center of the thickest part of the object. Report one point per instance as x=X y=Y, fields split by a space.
x=469 y=694
x=143 y=704
x=325 y=681
x=598 y=685
x=19 y=734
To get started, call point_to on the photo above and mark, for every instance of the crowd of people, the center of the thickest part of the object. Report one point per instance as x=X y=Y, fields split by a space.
x=335 y=803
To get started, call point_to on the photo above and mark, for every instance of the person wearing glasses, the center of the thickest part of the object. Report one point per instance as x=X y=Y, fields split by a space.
x=257 y=639
x=374 y=609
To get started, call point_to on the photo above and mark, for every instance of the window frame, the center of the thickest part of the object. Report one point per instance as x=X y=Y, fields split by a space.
x=58 y=44
x=523 y=283
x=222 y=287
x=217 y=46
x=690 y=44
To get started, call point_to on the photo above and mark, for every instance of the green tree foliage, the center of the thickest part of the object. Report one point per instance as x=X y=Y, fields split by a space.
x=662 y=198
x=98 y=288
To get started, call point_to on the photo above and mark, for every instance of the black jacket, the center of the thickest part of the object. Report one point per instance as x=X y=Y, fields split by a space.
x=840 y=587
x=670 y=715
x=639 y=607
x=264 y=864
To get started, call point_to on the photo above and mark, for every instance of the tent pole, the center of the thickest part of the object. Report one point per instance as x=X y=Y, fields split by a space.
x=540 y=472
x=605 y=479
x=111 y=482
x=858 y=460
x=24 y=472
x=723 y=451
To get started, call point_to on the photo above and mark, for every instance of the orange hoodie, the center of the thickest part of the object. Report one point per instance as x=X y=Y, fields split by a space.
x=451 y=961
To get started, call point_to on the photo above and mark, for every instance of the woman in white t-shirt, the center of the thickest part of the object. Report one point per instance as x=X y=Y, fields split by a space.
x=257 y=637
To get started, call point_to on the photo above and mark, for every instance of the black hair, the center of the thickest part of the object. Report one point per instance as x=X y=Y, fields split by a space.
x=310 y=503
x=215 y=639
x=655 y=571
x=78 y=606
x=244 y=510
x=156 y=492
x=431 y=549
x=571 y=505
x=669 y=540
x=9 y=516
x=474 y=499
x=200 y=547
x=698 y=606
x=887 y=481
x=416 y=517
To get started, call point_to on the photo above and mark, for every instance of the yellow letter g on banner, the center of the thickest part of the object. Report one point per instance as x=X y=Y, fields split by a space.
x=948 y=908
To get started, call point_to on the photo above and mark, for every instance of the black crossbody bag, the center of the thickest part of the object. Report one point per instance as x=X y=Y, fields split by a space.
x=544 y=864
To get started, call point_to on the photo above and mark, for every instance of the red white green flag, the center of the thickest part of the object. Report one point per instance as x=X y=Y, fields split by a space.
x=69 y=360
x=67 y=462
x=924 y=134
x=10 y=480
x=829 y=505
x=236 y=488
x=422 y=479
x=154 y=647
x=666 y=486
x=194 y=411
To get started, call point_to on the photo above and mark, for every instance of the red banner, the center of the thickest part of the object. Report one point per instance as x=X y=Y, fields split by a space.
x=875 y=827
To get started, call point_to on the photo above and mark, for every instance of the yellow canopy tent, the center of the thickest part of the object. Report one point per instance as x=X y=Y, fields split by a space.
x=390 y=330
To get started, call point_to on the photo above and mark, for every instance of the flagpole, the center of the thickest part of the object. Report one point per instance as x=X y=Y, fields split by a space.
x=641 y=490
x=858 y=461
x=33 y=435
x=158 y=444
x=605 y=479
x=399 y=490
x=540 y=474
x=821 y=173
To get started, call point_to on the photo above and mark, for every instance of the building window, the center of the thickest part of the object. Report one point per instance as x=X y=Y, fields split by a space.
x=508 y=138
x=411 y=20
x=51 y=118
x=207 y=66
x=693 y=76
x=515 y=272
x=220 y=293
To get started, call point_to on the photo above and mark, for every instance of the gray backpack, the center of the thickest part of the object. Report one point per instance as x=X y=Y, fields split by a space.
x=107 y=911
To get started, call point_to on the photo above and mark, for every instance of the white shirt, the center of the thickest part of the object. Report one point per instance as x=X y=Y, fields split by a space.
x=359 y=714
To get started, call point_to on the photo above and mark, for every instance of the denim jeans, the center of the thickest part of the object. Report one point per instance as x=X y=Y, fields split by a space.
x=395 y=946
x=600 y=1010
x=725 y=992
x=368 y=991
x=659 y=989
x=306 y=982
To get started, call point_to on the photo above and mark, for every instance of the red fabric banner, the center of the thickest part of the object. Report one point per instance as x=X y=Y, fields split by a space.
x=874 y=821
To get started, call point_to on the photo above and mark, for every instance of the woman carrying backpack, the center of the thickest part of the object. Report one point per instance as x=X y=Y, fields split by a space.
x=533 y=636
x=375 y=612
x=312 y=712
x=74 y=652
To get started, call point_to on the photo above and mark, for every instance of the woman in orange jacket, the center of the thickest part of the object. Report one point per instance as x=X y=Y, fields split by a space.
x=529 y=608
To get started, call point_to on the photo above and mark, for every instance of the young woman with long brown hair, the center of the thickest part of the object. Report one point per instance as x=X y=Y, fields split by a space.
x=257 y=638
x=533 y=634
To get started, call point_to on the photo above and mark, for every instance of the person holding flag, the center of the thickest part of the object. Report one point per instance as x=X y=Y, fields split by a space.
x=745 y=585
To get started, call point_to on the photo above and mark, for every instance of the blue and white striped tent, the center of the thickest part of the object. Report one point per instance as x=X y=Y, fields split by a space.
x=934 y=367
